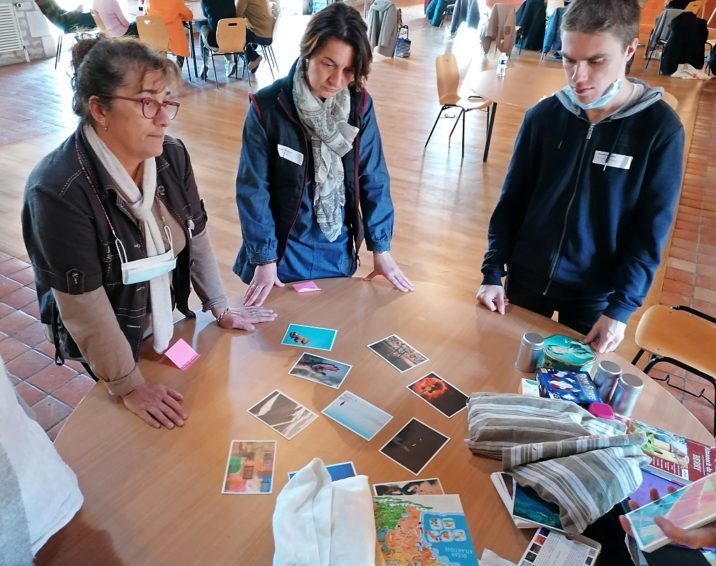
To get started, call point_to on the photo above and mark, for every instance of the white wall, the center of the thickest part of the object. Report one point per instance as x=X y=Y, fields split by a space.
x=37 y=33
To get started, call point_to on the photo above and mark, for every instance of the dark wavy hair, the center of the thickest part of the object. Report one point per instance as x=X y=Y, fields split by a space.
x=340 y=21
x=101 y=65
x=618 y=17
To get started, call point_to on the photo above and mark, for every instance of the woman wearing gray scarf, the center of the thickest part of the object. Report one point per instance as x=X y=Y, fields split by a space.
x=312 y=180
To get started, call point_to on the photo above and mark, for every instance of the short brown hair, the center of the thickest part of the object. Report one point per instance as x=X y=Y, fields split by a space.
x=618 y=17
x=340 y=21
x=101 y=65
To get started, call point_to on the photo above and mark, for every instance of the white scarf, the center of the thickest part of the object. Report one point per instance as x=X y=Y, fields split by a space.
x=331 y=138
x=140 y=204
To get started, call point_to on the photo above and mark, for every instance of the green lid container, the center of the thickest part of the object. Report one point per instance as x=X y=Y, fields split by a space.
x=564 y=352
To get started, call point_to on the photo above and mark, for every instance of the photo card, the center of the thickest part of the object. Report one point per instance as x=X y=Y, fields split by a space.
x=318 y=369
x=442 y=395
x=300 y=336
x=398 y=353
x=430 y=486
x=250 y=467
x=357 y=415
x=283 y=414
x=414 y=446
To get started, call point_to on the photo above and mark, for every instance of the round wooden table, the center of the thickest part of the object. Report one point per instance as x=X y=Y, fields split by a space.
x=154 y=496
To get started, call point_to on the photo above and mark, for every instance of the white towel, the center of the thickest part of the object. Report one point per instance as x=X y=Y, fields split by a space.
x=318 y=522
x=48 y=488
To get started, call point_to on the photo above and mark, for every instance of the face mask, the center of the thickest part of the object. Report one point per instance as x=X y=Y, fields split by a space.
x=147 y=268
x=602 y=101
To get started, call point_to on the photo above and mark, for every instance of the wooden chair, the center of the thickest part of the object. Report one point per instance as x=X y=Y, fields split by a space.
x=682 y=336
x=231 y=40
x=660 y=34
x=448 y=77
x=696 y=7
x=153 y=31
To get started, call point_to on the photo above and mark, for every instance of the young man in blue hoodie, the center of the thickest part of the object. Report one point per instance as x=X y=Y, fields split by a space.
x=590 y=193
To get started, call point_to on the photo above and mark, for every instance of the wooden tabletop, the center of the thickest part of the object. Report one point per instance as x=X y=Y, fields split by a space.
x=154 y=496
x=521 y=87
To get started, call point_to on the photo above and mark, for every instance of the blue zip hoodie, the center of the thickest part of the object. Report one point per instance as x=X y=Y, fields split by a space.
x=566 y=222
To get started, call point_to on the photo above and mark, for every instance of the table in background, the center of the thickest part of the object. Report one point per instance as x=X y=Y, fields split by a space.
x=154 y=496
x=521 y=87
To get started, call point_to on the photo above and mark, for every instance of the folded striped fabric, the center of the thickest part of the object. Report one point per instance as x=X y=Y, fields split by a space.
x=583 y=464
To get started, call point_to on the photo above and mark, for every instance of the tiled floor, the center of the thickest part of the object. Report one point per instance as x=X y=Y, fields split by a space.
x=51 y=390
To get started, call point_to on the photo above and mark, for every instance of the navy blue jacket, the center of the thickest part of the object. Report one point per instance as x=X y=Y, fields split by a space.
x=590 y=228
x=270 y=188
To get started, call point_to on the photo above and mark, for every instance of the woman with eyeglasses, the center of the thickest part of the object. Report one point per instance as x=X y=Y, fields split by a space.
x=312 y=181
x=115 y=228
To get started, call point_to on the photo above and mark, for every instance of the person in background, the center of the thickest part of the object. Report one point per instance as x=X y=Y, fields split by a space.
x=173 y=13
x=589 y=196
x=113 y=18
x=259 y=28
x=215 y=10
x=115 y=228
x=312 y=180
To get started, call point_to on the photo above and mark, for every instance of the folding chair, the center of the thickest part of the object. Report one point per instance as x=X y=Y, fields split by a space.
x=231 y=40
x=448 y=77
x=682 y=336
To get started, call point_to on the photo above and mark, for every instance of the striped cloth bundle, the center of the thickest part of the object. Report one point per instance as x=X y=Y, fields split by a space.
x=583 y=464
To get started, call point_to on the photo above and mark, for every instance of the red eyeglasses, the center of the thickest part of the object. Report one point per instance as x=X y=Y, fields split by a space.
x=151 y=107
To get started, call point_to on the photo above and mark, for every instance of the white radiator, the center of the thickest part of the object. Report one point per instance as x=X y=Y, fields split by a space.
x=10 y=38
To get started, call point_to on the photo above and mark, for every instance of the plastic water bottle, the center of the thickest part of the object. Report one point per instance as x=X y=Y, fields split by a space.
x=502 y=65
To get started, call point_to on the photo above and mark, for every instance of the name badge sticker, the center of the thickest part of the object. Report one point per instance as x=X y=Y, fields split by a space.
x=615 y=160
x=291 y=154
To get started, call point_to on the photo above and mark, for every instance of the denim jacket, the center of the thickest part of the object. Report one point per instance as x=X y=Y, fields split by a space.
x=69 y=203
x=270 y=188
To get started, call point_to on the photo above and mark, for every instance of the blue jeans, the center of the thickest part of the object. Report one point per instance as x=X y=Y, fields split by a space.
x=251 y=41
x=576 y=310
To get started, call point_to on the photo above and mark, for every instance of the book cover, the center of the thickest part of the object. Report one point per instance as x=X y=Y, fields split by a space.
x=423 y=529
x=550 y=548
x=575 y=386
x=691 y=506
x=675 y=457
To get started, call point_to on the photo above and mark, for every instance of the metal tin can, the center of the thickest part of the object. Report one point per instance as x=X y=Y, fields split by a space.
x=626 y=394
x=565 y=352
x=606 y=377
x=530 y=349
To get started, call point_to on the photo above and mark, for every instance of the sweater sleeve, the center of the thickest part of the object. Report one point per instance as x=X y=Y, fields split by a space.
x=511 y=207
x=374 y=181
x=94 y=328
x=650 y=226
x=205 y=275
x=258 y=228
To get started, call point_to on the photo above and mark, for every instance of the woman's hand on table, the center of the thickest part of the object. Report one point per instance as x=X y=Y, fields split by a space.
x=605 y=335
x=385 y=265
x=703 y=537
x=265 y=277
x=157 y=405
x=243 y=318
x=492 y=297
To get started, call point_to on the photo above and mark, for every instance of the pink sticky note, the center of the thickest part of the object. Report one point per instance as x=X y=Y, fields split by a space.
x=181 y=354
x=306 y=287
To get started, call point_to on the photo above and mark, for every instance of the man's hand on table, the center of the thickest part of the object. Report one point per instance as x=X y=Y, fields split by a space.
x=704 y=537
x=492 y=297
x=157 y=405
x=605 y=335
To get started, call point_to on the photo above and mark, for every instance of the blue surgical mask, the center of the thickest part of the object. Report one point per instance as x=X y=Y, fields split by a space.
x=602 y=101
x=148 y=268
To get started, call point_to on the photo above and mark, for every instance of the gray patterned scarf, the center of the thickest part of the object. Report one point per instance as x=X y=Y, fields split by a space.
x=331 y=138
